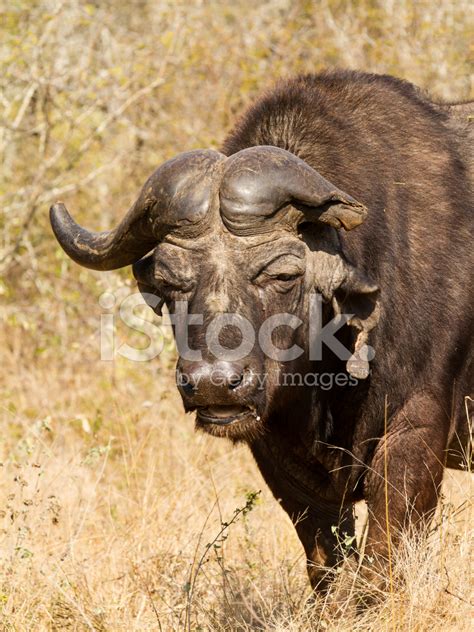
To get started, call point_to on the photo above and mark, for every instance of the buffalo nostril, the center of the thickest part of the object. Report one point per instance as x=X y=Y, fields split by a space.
x=187 y=388
x=185 y=383
x=235 y=380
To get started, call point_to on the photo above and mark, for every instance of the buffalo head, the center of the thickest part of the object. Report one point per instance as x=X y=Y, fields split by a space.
x=236 y=246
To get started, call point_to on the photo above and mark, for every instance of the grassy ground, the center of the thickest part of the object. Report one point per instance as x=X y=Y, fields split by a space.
x=108 y=499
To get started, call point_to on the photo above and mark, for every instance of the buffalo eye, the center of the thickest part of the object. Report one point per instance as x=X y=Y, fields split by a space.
x=281 y=274
x=173 y=271
x=173 y=288
x=285 y=276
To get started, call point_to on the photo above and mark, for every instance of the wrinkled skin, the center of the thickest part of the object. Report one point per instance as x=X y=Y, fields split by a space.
x=255 y=277
x=368 y=203
x=270 y=275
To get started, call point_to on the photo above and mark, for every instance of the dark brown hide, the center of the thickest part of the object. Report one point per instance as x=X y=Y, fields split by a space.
x=410 y=163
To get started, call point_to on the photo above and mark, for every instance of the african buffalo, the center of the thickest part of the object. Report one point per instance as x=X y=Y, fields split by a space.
x=347 y=193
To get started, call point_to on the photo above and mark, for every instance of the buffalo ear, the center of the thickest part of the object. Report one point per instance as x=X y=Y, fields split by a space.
x=358 y=296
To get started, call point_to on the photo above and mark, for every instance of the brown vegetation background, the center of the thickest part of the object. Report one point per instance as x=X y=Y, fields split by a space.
x=108 y=499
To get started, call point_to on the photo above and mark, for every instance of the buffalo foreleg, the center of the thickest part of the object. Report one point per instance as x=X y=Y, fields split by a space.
x=328 y=537
x=403 y=482
x=325 y=527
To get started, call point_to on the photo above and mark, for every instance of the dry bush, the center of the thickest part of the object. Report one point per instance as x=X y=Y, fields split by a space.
x=107 y=494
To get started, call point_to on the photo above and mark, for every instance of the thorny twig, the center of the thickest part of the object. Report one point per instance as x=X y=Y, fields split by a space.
x=215 y=543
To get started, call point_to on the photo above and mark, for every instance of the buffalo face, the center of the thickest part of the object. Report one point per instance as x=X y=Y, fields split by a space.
x=236 y=247
x=228 y=295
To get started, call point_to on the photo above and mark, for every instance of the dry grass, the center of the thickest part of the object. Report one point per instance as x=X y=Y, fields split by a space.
x=108 y=498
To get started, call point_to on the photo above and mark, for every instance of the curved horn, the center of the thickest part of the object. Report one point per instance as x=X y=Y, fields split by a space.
x=259 y=181
x=177 y=194
x=107 y=250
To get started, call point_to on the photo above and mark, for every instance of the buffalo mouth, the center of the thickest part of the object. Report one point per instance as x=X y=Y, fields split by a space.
x=223 y=415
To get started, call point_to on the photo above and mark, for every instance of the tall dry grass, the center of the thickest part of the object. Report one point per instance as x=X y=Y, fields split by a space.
x=108 y=499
